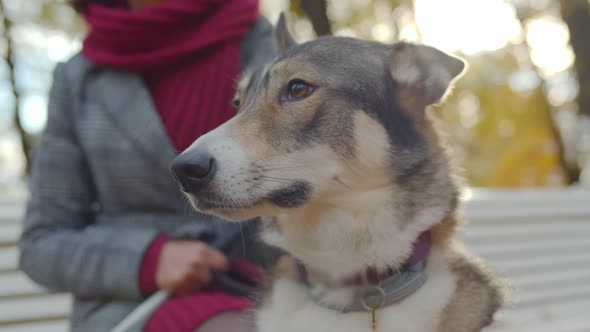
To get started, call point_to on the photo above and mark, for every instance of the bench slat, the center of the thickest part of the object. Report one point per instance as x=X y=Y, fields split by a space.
x=15 y=284
x=543 y=314
x=510 y=216
x=9 y=234
x=534 y=232
x=503 y=251
x=482 y=198
x=553 y=279
x=566 y=324
x=51 y=326
x=526 y=205
x=60 y=325
x=535 y=265
x=11 y=213
x=8 y=259
x=49 y=307
x=550 y=296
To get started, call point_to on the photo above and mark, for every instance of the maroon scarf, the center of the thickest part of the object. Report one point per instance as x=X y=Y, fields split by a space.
x=187 y=51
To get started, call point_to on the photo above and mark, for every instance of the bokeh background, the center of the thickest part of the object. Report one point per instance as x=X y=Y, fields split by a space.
x=518 y=122
x=519 y=118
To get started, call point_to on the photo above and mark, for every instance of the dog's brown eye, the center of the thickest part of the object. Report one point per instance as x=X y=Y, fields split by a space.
x=298 y=89
x=236 y=103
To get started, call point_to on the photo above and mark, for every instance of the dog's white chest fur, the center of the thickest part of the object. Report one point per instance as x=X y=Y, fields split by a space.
x=290 y=309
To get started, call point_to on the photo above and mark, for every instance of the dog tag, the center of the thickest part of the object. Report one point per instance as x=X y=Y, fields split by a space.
x=372 y=302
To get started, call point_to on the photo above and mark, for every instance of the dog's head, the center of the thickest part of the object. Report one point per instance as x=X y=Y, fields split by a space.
x=326 y=119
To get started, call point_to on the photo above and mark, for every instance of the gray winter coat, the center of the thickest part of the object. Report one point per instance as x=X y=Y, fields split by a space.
x=101 y=189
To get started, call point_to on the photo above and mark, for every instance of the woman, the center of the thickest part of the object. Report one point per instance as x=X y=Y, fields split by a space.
x=106 y=221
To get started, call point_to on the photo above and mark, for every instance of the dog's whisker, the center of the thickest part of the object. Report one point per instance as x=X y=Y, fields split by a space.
x=282 y=155
x=263 y=158
x=243 y=238
x=274 y=178
x=283 y=168
x=278 y=181
x=264 y=178
x=343 y=184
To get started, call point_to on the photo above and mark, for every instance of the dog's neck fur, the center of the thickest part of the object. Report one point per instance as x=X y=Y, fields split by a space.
x=361 y=230
x=374 y=222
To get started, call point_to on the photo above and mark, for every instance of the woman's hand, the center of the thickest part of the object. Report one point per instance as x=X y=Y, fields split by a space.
x=185 y=266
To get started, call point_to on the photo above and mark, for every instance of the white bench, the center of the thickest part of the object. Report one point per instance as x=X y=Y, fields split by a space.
x=24 y=306
x=538 y=240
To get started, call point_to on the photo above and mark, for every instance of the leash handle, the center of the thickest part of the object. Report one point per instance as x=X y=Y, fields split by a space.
x=224 y=237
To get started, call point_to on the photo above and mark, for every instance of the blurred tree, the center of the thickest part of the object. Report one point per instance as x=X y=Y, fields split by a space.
x=576 y=14
x=354 y=18
x=571 y=171
x=316 y=10
x=7 y=26
x=59 y=16
x=506 y=134
x=505 y=129
x=503 y=136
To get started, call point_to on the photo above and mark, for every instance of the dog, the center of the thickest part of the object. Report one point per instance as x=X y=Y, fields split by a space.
x=336 y=148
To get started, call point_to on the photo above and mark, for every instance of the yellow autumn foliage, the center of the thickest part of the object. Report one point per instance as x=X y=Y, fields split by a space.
x=500 y=121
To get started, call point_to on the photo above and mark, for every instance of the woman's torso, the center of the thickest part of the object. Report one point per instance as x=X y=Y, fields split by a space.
x=128 y=153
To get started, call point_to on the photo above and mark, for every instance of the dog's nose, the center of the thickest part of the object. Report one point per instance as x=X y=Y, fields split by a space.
x=194 y=171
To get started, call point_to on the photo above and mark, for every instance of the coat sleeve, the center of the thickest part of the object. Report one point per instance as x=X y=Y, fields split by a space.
x=61 y=246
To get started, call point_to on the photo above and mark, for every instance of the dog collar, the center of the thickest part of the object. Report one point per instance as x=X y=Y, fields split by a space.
x=384 y=288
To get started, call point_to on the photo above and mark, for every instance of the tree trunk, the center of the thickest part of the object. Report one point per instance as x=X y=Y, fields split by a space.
x=576 y=14
x=316 y=10
x=26 y=148
x=572 y=171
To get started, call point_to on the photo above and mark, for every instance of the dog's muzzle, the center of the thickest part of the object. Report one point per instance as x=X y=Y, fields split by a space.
x=194 y=170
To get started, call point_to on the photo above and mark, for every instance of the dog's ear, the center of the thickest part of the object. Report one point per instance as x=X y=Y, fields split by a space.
x=424 y=72
x=283 y=38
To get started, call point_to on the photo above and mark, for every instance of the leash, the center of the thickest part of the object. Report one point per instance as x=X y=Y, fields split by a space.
x=142 y=311
x=230 y=283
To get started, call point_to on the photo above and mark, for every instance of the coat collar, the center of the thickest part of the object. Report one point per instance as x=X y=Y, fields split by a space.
x=129 y=104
